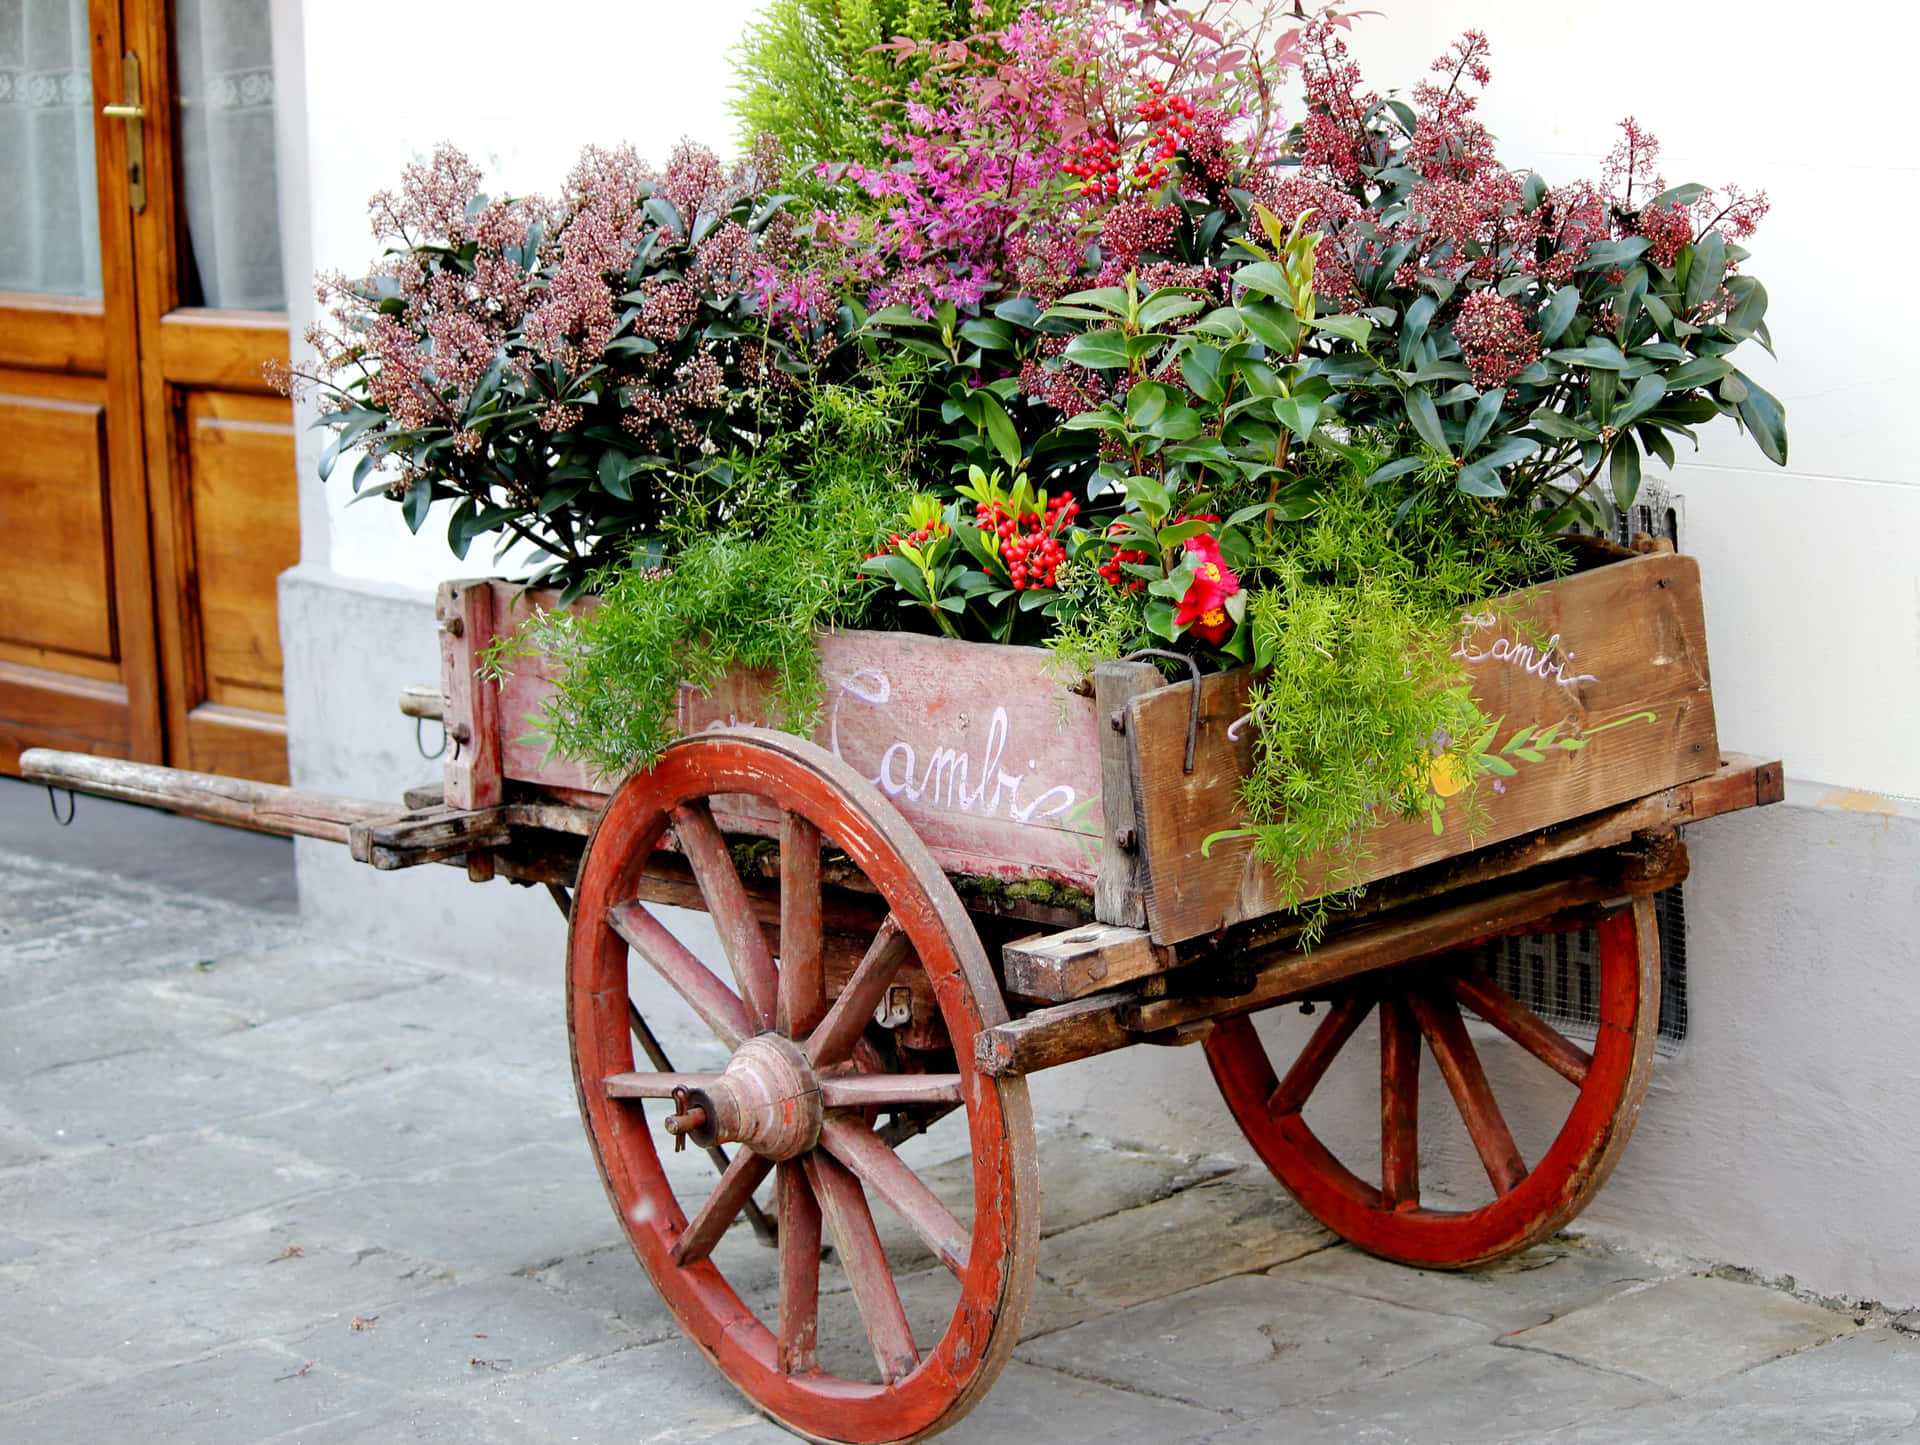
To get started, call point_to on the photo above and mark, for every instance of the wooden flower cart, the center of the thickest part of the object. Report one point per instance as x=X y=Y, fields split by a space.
x=970 y=874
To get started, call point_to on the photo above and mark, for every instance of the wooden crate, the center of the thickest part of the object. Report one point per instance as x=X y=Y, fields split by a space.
x=1002 y=769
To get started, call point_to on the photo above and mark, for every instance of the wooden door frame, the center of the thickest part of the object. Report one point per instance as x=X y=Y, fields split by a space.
x=180 y=347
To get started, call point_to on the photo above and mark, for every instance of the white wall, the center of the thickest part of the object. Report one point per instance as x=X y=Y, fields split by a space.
x=1812 y=574
x=521 y=89
x=1782 y=1135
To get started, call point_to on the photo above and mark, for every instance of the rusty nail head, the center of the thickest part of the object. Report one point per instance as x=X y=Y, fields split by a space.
x=456 y=626
x=1118 y=720
x=1125 y=839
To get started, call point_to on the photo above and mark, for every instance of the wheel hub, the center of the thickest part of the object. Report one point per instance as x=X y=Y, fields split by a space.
x=768 y=1098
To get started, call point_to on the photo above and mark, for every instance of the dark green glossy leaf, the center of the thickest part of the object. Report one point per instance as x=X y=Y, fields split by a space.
x=1764 y=417
x=1426 y=421
x=1558 y=311
x=1100 y=350
x=1485 y=412
x=1623 y=471
x=1200 y=367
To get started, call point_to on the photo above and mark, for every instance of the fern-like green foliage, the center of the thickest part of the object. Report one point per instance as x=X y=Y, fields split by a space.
x=747 y=589
x=1364 y=704
x=809 y=73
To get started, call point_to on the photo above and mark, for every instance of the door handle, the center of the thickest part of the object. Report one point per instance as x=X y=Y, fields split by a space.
x=134 y=114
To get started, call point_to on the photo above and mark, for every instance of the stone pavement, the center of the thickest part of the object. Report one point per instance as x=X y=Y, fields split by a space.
x=255 y=1187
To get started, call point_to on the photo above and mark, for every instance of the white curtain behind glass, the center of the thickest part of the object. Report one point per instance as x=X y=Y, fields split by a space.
x=49 y=230
x=224 y=51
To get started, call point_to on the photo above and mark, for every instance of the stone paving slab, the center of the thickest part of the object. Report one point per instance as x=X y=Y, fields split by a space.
x=1529 y=1288
x=1685 y=1333
x=1860 y=1387
x=1249 y=1345
x=220 y=1146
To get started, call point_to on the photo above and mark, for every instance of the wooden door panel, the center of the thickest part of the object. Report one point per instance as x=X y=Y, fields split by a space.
x=57 y=594
x=52 y=333
x=246 y=531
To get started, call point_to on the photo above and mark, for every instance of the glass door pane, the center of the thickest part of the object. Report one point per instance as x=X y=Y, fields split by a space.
x=224 y=56
x=49 y=227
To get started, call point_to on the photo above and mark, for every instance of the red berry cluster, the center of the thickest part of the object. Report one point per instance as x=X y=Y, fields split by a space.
x=916 y=538
x=1111 y=573
x=1098 y=167
x=1097 y=162
x=1172 y=119
x=1029 y=543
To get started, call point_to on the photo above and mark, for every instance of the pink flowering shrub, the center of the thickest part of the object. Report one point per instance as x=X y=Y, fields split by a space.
x=557 y=368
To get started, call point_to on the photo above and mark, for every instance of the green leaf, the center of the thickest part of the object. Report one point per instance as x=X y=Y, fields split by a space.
x=1264 y=278
x=1100 y=350
x=1274 y=327
x=1498 y=766
x=1555 y=424
x=1623 y=471
x=1200 y=368
x=1646 y=393
x=1000 y=428
x=1148 y=401
x=416 y=503
x=1111 y=299
x=327 y=458
x=1478 y=479
x=1656 y=443
x=1298 y=414
x=1764 y=417
x=1165 y=306
x=1708 y=271
x=1396 y=468
x=988 y=333
x=1557 y=313
x=613 y=475
x=1677 y=196
x=1158 y=617
x=1426 y=421
x=1595 y=356
x=1485 y=412
x=1348 y=328
x=1700 y=371
x=1181 y=423
x=1614 y=255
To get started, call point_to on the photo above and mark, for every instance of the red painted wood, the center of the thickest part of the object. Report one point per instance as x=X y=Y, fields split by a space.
x=874 y=1091
x=882 y=1171
x=799 y=1269
x=719 y=1008
x=803 y=984
x=1290 y=1095
x=726 y=904
x=1466 y=1080
x=1526 y=1028
x=834 y=1039
x=1399 y=1104
x=1584 y=1152
x=850 y=1223
x=938 y=949
x=723 y=1206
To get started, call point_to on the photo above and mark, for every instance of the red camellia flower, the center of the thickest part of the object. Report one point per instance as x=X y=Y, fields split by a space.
x=1203 y=611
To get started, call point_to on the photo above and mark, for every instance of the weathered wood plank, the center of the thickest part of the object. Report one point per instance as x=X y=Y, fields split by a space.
x=1060 y=966
x=1119 y=892
x=265 y=807
x=428 y=836
x=1102 y=1022
x=1591 y=651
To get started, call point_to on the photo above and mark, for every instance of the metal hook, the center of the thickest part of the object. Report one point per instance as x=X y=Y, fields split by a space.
x=420 y=742
x=53 y=805
x=1193 y=707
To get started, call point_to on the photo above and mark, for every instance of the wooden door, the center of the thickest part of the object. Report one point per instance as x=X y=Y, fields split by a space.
x=146 y=469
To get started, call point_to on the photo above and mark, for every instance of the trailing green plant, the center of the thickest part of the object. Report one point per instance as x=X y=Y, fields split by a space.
x=811 y=505
x=1363 y=710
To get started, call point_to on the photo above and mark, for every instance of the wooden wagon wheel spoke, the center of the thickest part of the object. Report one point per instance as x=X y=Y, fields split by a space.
x=1521 y=1024
x=847 y=1019
x=883 y=1171
x=726 y=898
x=719 y=1007
x=1290 y=1095
x=723 y=1206
x=850 y=1223
x=879 y=1091
x=1459 y=1065
x=799 y=1214
x=1399 y=1105
x=1527 y=1204
x=807 y=1080
x=802 y=992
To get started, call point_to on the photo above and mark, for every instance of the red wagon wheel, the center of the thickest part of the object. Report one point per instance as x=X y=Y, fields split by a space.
x=1424 y=1000
x=801 y=1091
